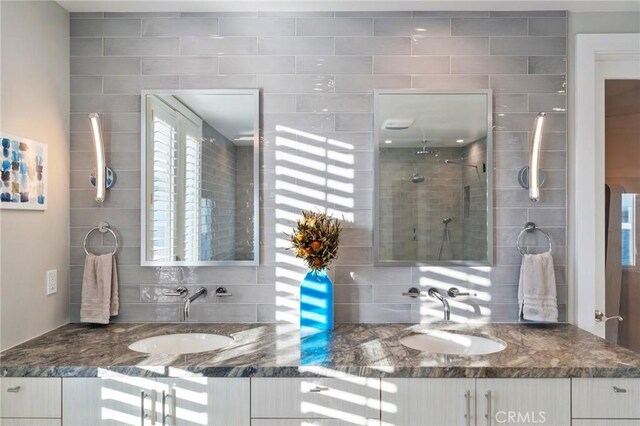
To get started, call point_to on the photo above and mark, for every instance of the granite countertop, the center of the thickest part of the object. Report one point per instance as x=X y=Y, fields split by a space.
x=269 y=350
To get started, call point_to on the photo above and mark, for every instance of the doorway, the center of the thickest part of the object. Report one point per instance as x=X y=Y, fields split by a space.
x=622 y=210
x=600 y=59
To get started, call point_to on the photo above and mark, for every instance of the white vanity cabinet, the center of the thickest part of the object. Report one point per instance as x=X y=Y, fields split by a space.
x=349 y=400
x=28 y=401
x=126 y=400
x=523 y=401
x=205 y=401
x=109 y=401
x=471 y=402
x=602 y=402
x=428 y=402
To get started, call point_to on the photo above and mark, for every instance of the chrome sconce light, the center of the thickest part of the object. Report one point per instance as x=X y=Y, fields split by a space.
x=102 y=176
x=532 y=176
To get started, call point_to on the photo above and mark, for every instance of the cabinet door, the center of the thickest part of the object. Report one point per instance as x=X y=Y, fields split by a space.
x=205 y=401
x=30 y=397
x=29 y=422
x=352 y=399
x=604 y=398
x=524 y=401
x=427 y=402
x=312 y=422
x=107 y=401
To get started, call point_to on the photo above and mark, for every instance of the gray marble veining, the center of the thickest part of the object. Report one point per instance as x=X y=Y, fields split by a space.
x=269 y=350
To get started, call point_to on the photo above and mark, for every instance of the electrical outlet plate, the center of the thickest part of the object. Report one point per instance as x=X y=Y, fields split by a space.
x=52 y=282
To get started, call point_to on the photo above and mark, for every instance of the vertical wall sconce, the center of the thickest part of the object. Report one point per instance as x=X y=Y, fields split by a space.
x=102 y=176
x=532 y=177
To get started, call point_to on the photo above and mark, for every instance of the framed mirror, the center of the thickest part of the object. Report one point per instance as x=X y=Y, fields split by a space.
x=433 y=178
x=200 y=178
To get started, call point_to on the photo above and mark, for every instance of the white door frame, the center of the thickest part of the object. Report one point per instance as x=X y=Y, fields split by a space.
x=594 y=53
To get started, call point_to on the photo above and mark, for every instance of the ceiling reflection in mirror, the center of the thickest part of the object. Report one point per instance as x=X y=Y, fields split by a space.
x=432 y=178
x=201 y=178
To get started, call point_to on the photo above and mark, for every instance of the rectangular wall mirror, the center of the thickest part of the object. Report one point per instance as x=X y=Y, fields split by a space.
x=200 y=178
x=433 y=178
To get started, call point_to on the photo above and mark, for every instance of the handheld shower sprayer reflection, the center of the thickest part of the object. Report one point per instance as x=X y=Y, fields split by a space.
x=446 y=236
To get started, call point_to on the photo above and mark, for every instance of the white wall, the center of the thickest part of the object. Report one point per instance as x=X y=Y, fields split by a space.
x=34 y=96
x=586 y=23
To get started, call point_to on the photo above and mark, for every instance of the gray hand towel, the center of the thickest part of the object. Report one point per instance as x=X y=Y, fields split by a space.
x=99 y=289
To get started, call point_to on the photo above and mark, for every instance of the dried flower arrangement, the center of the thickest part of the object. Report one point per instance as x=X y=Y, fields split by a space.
x=316 y=238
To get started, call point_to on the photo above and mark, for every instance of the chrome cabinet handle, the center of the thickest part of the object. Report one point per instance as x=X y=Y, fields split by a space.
x=143 y=412
x=172 y=413
x=14 y=390
x=164 y=413
x=600 y=317
x=488 y=414
x=467 y=416
x=174 y=403
x=619 y=390
x=319 y=389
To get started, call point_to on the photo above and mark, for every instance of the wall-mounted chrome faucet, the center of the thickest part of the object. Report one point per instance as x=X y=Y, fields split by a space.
x=453 y=292
x=187 y=304
x=433 y=292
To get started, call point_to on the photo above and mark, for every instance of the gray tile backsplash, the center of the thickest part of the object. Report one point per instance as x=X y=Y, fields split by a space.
x=316 y=72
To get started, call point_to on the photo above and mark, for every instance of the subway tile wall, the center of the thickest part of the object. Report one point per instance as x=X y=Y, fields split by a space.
x=316 y=72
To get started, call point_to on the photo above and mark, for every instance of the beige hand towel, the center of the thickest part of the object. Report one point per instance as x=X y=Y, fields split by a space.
x=99 y=289
x=537 y=298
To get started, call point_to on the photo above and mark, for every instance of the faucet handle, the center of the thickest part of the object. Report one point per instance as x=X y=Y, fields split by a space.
x=180 y=291
x=413 y=293
x=454 y=292
x=222 y=292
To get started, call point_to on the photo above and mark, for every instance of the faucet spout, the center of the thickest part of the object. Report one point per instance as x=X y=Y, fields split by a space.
x=433 y=292
x=187 y=303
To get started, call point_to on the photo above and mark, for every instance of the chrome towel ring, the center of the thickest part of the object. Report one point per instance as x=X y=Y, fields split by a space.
x=531 y=227
x=103 y=227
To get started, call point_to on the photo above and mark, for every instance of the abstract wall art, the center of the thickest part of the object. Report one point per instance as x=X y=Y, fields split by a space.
x=24 y=168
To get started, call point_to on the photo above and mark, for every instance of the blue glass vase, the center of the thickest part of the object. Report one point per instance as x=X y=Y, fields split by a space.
x=316 y=301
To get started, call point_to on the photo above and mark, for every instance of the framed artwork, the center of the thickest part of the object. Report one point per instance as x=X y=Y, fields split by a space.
x=24 y=168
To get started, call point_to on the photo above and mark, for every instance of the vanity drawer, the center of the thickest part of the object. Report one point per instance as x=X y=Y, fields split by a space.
x=606 y=398
x=30 y=422
x=311 y=422
x=349 y=398
x=30 y=397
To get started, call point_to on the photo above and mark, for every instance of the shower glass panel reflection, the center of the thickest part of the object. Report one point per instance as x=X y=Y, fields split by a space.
x=431 y=178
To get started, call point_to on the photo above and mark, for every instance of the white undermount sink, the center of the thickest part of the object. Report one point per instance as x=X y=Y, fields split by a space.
x=185 y=343
x=443 y=342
